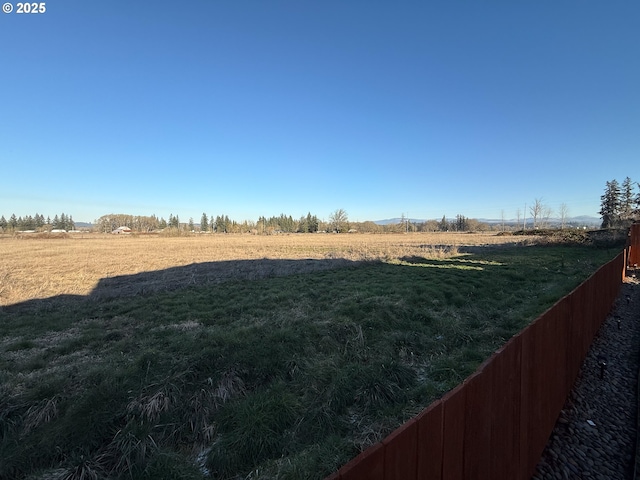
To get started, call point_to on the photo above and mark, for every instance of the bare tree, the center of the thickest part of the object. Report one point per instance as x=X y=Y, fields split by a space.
x=536 y=211
x=518 y=215
x=564 y=214
x=338 y=220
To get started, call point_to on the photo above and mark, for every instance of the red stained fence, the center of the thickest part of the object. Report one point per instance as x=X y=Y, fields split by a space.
x=496 y=424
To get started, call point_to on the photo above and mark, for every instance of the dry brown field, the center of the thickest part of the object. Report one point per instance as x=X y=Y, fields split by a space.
x=33 y=267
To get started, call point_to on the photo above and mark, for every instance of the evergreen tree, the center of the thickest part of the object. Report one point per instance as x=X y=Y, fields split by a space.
x=626 y=200
x=461 y=223
x=13 y=221
x=610 y=205
x=56 y=222
x=443 y=226
x=204 y=223
x=222 y=224
x=191 y=225
x=3 y=223
x=312 y=223
x=174 y=222
x=70 y=223
x=28 y=223
x=303 y=226
x=48 y=220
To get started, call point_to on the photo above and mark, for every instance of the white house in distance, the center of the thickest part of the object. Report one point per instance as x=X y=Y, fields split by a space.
x=122 y=231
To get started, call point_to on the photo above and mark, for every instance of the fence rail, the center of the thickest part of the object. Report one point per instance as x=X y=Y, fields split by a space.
x=496 y=424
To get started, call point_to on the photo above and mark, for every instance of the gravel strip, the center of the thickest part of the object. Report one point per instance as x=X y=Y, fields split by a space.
x=595 y=434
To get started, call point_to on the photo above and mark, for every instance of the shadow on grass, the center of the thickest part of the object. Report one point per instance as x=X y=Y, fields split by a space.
x=176 y=278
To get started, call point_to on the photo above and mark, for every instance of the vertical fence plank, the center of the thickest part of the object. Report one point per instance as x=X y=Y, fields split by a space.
x=587 y=312
x=505 y=412
x=525 y=400
x=580 y=321
x=368 y=465
x=477 y=429
x=550 y=355
x=453 y=434
x=400 y=452
x=571 y=365
x=533 y=399
x=430 y=447
x=600 y=299
x=560 y=349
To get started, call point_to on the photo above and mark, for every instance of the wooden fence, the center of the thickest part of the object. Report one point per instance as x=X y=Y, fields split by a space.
x=496 y=424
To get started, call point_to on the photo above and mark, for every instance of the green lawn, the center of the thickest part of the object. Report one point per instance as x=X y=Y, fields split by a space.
x=288 y=376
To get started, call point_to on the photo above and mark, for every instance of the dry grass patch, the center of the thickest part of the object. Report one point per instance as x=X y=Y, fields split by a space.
x=43 y=267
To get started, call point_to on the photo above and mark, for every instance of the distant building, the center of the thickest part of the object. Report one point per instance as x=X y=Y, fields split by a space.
x=122 y=230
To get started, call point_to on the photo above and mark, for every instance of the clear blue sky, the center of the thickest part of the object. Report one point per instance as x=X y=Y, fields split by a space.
x=250 y=108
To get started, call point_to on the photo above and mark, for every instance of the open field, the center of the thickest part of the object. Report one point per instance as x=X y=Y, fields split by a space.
x=33 y=267
x=248 y=357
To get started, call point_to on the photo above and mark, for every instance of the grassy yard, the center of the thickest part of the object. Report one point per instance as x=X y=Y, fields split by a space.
x=259 y=375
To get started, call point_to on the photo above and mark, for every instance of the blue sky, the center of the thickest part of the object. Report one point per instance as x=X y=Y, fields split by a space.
x=250 y=108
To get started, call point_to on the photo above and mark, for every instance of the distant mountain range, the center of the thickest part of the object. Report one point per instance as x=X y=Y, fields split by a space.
x=585 y=220
x=392 y=221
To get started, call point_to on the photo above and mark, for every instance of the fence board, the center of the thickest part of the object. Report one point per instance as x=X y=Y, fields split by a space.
x=430 y=444
x=579 y=329
x=477 y=429
x=505 y=413
x=453 y=434
x=532 y=400
x=551 y=356
x=600 y=298
x=560 y=350
x=588 y=312
x=368 y=465
x=401 y=452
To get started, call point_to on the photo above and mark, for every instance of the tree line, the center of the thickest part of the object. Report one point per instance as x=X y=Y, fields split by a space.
x=338 y=222
x=209 y=224
x=620 y=204
x=36 y=222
